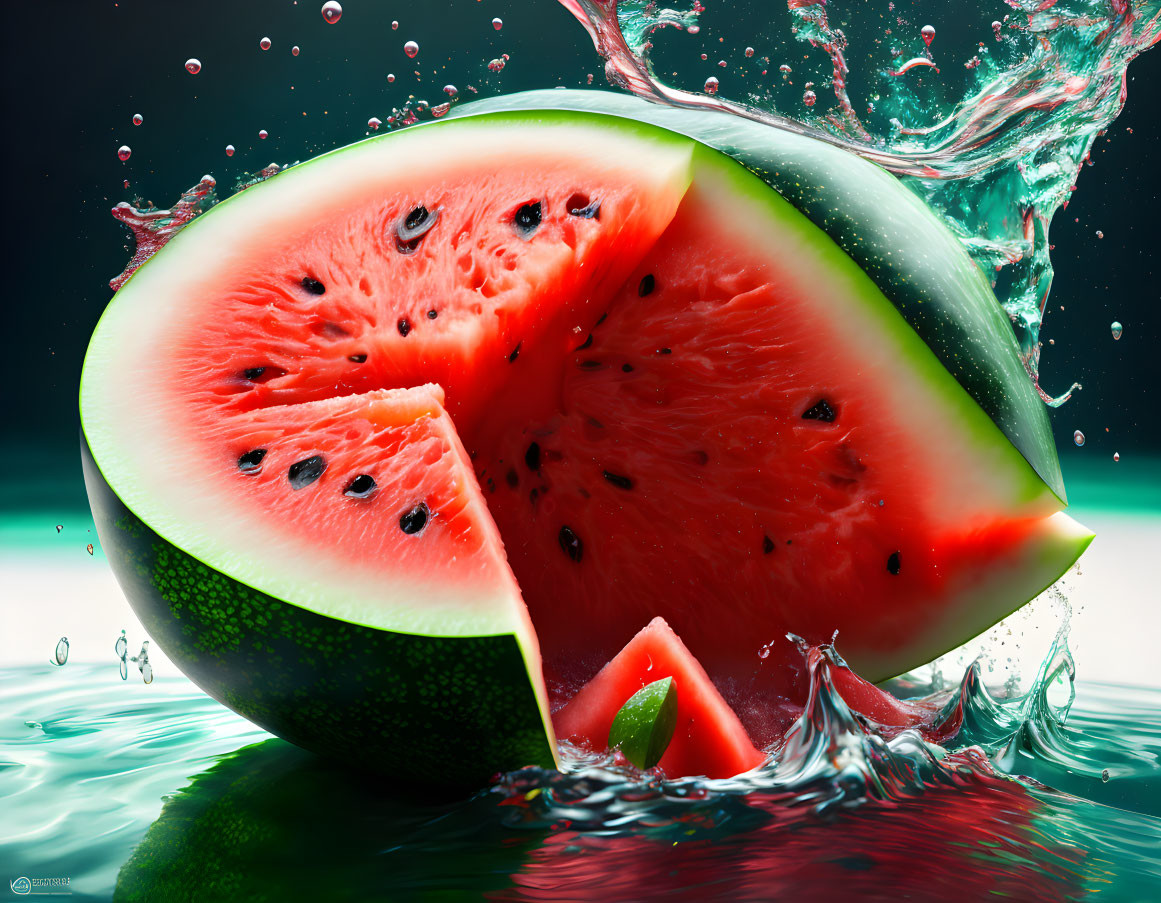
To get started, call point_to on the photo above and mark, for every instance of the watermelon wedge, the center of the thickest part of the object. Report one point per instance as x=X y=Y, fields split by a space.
x=378 y=443
x=708 y=740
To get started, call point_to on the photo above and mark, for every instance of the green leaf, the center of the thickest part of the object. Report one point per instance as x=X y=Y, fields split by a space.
x=644 y=726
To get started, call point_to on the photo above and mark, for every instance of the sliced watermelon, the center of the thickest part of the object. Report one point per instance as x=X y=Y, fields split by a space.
x=663 y=391
x=708 y=740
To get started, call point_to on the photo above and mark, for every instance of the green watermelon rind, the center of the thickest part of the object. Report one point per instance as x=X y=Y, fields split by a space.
x=386 y=701
x=889 y=232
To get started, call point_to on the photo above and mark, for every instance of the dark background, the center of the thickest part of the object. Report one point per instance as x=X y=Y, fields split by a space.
x=74 y=73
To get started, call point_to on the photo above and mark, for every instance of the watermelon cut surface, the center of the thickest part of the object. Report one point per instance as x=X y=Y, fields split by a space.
x=513 y=385
x=708 y=740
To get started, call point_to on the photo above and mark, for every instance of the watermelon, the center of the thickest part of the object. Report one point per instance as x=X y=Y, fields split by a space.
x=708 y=739
x=379 y=444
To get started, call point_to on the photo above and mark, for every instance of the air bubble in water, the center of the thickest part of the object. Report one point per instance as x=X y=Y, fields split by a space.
x=374 y=122
x=411 y=49
x=262 y=133
x=264 y=43
x=193 y=66
x=124 y=153
x=711 y=85
x=749 y=51
x=928 y=33
x=229 y=150
x=332 y=12
x=450 y=90
x=138 y=119
x=62 y=650
x=809 y=97
x=1078 y=438
x=497 y=24
x=1116 y=456
x=1117 y=329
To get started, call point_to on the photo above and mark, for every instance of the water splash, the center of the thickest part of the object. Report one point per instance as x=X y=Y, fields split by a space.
x=994 y=145
x=152 y=228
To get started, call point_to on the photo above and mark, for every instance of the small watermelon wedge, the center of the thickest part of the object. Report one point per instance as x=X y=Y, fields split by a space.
x=708 y=739
x=378 y=443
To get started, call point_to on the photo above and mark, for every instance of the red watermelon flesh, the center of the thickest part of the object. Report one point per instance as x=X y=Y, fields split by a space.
x=708 y=740
x=666 y=391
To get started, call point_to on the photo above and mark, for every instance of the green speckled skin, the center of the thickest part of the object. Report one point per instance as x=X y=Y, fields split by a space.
x=888 y=231
x=451 y=711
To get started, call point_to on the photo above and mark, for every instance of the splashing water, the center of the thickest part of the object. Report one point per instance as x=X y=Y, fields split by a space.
x=152 y=228
x=994 y=145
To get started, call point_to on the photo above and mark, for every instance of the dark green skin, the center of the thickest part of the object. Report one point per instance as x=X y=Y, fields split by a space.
x=889 y=232
x=449 y=711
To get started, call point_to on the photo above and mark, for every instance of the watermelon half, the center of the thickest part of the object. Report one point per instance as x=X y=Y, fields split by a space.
x=377 y=444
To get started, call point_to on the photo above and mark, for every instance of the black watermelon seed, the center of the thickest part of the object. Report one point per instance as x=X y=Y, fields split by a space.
x=627 y=368
x=302 y=473
x=253 y=373
x=410 y=232
x=432 y=314
x=361 y=486
x=665 y=351
x=357 y=358
x=767 y=545
x=820 y=410
x=893 y=563
x=585 y=344
x=515 y=353
x=532 y=456
x=491 y=484
x=404 y=326
x=646 y=286
x=571 y=544
x=527 y=219
x=701 y=457
x=580 y=205
x=590 y=365
x=512 y=478
x=414 y=520
x=603 y=317
x=619 y=481
x=249 y=462
x=313 y=286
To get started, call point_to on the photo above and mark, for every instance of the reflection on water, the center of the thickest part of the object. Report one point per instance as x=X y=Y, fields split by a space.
x=846 y=805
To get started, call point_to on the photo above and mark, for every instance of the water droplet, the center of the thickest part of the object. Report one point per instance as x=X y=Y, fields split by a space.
x=262 y=133
x=264 y=43
x=784 y=69
x=374 y=122
x=996 y=26
x=229 y=150
x=411 y=49
x=89 y=548
x=193 y=66
x=1078 y=438
x=497 y=24
x=138 y=119
x=121 y=646
x=59 y=527
x=928 y=32
x=1116 y=456
x=711 y=85
x=809 y=98
x=1105 y=775
x=394 y=25
x=147 y=672
x=764 y=652
x=1099 y=234
x=332 y=12
x=749 y=51
x=450 y=90
x=294 y=51
x=124 y=666
x=390 y=77
x=496 y=65
x=124 y=153
x=722 y=64
x=1116 y=329
x=62 y=650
